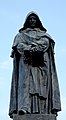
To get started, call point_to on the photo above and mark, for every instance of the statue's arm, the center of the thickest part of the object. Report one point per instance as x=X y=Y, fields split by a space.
x=41 y=45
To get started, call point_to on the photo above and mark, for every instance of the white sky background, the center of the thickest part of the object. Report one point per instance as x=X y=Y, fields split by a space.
x=52 y=13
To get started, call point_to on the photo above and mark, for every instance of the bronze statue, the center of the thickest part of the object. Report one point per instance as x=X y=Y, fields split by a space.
x=34 y=87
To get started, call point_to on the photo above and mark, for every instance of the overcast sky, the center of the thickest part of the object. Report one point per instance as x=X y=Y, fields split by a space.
x=52 y=13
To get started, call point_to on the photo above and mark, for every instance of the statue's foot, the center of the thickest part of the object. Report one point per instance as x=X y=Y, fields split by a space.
x=22 y=112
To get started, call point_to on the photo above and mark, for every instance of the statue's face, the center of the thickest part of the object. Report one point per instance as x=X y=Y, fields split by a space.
x=32 y=21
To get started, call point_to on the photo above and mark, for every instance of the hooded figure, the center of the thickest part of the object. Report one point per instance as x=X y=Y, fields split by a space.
x=34 y=87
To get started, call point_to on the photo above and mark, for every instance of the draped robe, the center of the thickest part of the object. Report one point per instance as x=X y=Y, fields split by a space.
x=34 y=87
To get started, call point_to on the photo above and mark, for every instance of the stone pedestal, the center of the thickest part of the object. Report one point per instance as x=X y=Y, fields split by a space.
x=34 y=117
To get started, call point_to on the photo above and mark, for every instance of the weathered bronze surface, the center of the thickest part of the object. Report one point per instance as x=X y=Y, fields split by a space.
x=34 y=87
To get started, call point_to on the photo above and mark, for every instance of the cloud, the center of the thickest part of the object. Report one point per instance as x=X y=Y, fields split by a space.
x=6 y=64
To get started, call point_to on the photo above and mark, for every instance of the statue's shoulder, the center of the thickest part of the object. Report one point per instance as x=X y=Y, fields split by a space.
x=49 y=37
x=18 y=35
x=16 y=40
x=47 y=34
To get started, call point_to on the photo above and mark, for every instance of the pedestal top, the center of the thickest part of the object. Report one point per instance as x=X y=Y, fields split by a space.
x=34 y=117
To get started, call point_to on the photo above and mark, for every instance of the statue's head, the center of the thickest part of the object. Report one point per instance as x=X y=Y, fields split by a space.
x=32 y=21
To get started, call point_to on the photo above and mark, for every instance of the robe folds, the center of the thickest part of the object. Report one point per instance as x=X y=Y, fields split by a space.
x=34 y=86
